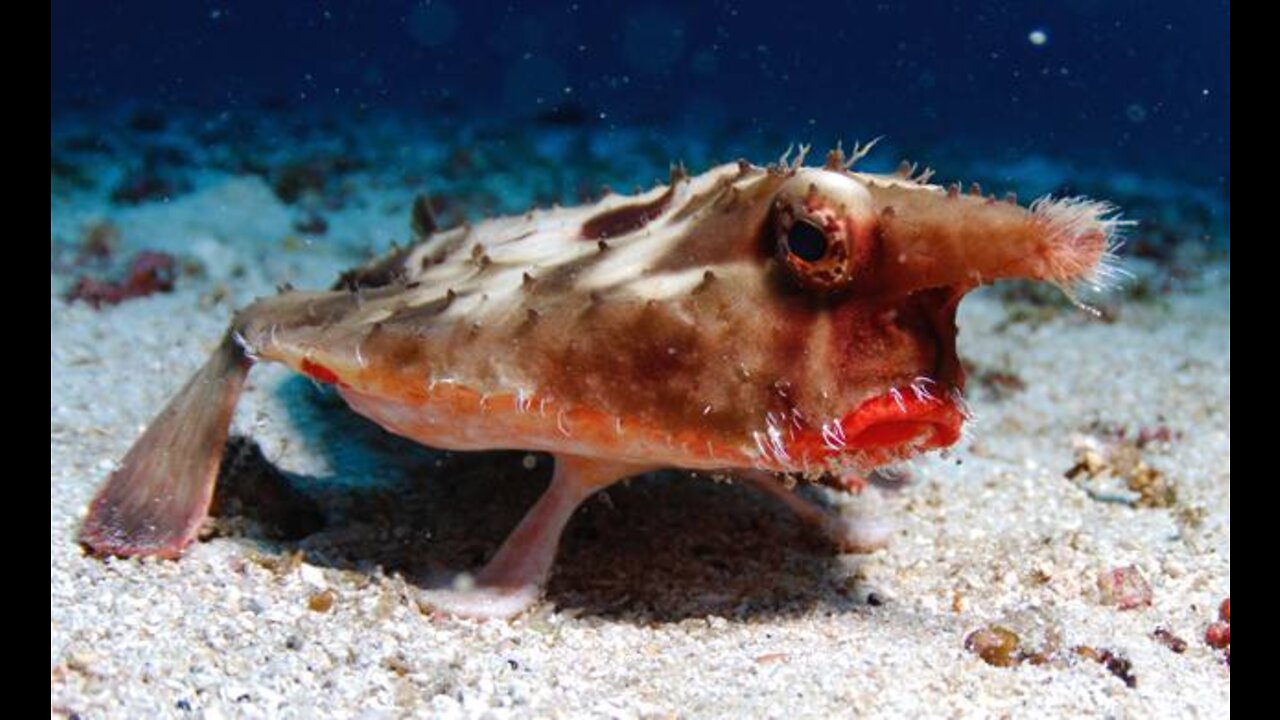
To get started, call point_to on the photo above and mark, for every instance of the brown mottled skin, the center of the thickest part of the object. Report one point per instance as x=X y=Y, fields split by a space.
x=784 y=319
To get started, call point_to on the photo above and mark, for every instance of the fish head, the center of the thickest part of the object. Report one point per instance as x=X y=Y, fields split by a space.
x=868 y=271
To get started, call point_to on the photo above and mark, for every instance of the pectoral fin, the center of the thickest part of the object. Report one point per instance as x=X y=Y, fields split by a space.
x=156 y=501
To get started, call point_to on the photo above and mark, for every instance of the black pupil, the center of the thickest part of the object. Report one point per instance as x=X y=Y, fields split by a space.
x=807 y=242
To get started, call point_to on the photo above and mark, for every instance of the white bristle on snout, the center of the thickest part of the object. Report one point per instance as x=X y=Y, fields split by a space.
x=1085 y=235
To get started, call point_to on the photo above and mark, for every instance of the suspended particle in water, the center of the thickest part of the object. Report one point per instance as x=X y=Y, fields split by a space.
x=1037 y=37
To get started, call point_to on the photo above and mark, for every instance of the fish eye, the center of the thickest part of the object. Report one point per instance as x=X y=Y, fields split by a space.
x=813 y=257
x=823 y=232
x=807 y=241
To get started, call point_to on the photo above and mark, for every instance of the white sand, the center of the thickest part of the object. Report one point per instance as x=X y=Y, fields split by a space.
x=673 y=597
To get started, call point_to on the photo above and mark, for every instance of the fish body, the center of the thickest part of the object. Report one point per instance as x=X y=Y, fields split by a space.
x=754 y=320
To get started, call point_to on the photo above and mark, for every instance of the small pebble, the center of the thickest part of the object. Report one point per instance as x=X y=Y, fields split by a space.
x=322 y=601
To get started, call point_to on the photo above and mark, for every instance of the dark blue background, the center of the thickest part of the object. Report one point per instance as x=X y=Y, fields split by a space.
x=1137 y=85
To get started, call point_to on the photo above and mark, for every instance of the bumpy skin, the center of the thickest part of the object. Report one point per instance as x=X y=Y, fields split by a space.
x=784 y=319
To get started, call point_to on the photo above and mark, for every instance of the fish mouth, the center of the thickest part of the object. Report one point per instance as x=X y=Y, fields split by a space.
x=897 y=424
x=901 y=422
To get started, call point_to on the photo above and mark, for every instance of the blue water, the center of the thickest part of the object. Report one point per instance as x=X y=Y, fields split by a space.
x=1137 y=84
